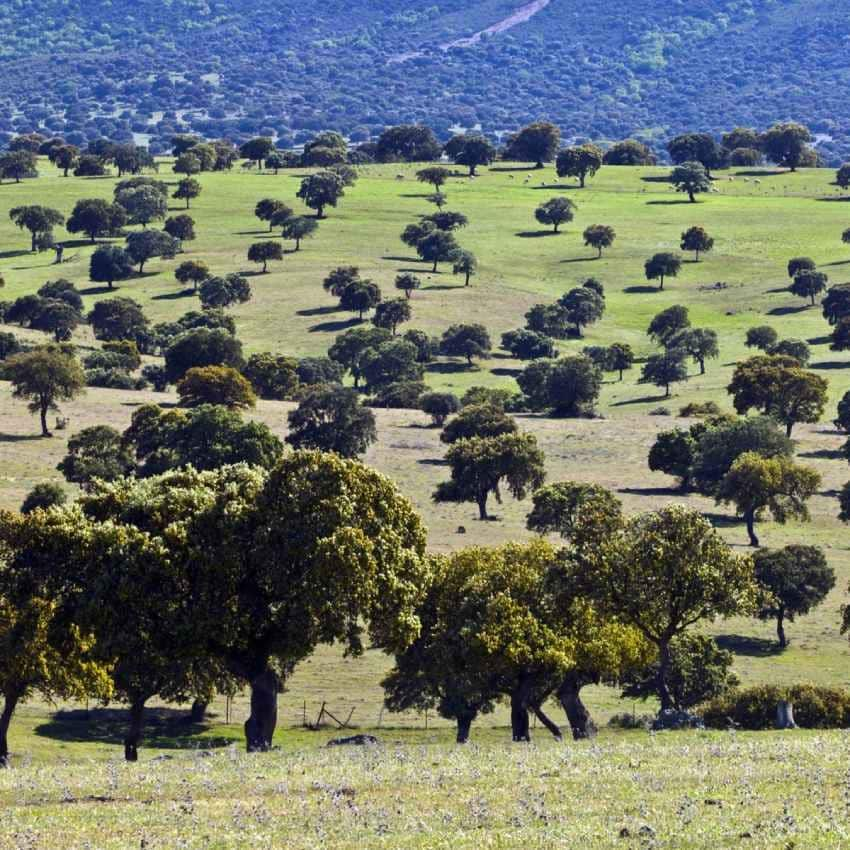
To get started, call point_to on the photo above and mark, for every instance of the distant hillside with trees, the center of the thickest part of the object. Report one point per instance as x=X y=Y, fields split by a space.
x=84 y=69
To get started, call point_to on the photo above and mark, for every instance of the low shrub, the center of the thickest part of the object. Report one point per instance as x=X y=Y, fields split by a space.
x=815 y=707
x=699 y=408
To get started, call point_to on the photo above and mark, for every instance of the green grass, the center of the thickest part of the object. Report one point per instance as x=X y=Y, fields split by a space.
x=423 y=793
x=679 y=791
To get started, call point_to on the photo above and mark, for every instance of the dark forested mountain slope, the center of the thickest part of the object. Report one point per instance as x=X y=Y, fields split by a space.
x=606 y=70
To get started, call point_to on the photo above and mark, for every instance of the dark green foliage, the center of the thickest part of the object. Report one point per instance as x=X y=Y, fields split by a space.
x=667 y=325
x=566 y=387
x=479 y=419
x=690 y=178
x=205 y=437
x=800 y=264
x=762 y=337
x=815 y=707
x=699 y=671
x=402 y=395
x=696 y=239
x=45 y=495
x=470 y=150
x=582 y=162
x=665 y=369
x=629 y=152
x=701 y=148
x=321 y=190
x=319 y=370
x=97 y=452
x=439 y=406
x=537 y=143
x=117 y=318
x=272 y=376
x=555 y=211
x=469 y=341
x=483 y=466
x=796 y=579
x=796 y=348
x=528 y=345
x=146 y=244
x=331 y=418
x=809 y=284
x=673 y=453
x=110 y=263
x=221 y=292
x=201 y=347
x=662 y=265
x=96 y=217
x=719 y=446
x=390 y=362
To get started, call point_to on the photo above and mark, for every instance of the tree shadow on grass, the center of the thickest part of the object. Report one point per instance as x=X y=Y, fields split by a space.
x=506 y=373
x=824 y=454
x=20 y=438
x=830 y=364
x=787 y=311
x=341 y=325
x=432 y=461
x=98 y=290
x=837 y=263
x=442 y=287
x=840 y=199
x=647 y=399
x=640 y=290
x=450 y=368
x=165 y=728
x=174 y=296
x=395 y=259
x=532 y=169
x=776 y=291
x=420 y=195
x=819 y=340
x=592 y=259
x=755 y=647
x=6 y=255
x=671 y=203
x=536 y=234
x=656 y=178
x=651 y=491
x=761 y=172
x=269 y=233
x=317 y=311
x=723 y=520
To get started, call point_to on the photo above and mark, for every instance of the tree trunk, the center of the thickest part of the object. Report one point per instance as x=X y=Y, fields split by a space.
x=10 y=702
x=45 y=432
x=547 y=722
x=260 y=725
x=581 y=178
x=482 y=507
x=569 y=695
x=662 y=282
x=788 y=428
x=265 y=266
x=750 y=518
x=434 y=270
x=188 y=201
x=692 y=196
x=702 y=367
x=520 y=698
x=134 y=730
x=464 y=724
x=599 y=255
x=780 y=629
x=467 y=278
x=664 y=664
x=297 y=245
x=198 y=712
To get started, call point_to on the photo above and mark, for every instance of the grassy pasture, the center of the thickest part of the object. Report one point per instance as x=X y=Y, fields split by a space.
x=758 y=225
x=778 y=789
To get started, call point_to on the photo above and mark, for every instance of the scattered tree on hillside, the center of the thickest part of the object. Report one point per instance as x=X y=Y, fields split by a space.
x=582 y=162
x=662 y=265
x=331 y=418
x=696 y=239
x=599 y=236
x=555 y=211
x=796 y=578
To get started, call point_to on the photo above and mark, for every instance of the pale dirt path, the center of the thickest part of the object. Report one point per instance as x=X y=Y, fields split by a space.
x=520 y=16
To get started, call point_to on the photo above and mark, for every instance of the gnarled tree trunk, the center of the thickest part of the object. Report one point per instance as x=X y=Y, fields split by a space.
x=10 y=702
x=569 y=695
x=198 y=712
x=547 y=722
x=464 y=724
x=260 y=725
x=134 y=730
x=520 y=699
